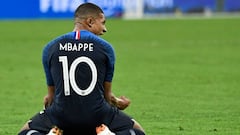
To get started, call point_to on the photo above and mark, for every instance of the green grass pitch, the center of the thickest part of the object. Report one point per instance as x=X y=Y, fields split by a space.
x=182 y=75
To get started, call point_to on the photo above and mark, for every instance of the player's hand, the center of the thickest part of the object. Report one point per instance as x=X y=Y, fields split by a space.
x=122 y=102
x=47 y=101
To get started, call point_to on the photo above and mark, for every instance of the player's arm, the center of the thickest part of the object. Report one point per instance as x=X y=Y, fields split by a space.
x=49 y=97
x=51 y=89
x=121 y=102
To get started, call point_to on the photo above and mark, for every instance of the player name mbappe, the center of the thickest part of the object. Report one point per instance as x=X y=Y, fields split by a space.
x=76 y=46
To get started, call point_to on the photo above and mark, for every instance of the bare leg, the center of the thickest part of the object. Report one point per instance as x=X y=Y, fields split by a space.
x=25 y=127
x=137 y=125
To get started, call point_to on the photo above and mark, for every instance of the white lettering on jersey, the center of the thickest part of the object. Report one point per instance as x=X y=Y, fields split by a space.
x=69 y=75
x=76 y=47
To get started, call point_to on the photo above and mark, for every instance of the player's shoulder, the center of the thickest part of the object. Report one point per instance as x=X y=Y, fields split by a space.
x=82 y=35
x=56 y=40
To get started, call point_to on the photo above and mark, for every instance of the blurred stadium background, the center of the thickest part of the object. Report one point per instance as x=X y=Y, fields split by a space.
x=34 y=9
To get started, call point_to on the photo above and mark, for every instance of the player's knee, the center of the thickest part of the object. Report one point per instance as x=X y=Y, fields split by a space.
x=29 y=132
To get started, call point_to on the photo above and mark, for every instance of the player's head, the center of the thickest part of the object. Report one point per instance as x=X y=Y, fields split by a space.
x=91 y=17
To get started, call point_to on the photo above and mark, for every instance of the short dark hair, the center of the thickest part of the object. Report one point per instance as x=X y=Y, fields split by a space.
x=87 y=9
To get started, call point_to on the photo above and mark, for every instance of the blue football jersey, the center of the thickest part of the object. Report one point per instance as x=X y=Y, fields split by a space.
x=77 y=64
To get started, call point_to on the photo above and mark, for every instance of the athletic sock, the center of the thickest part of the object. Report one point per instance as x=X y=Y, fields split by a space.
x=130 y=132
x=136 y=132
x=30 y=132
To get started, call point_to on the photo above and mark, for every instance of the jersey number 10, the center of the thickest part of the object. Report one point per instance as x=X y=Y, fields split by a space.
x=69 y=75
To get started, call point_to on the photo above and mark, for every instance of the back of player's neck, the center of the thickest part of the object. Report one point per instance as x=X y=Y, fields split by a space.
x=79 y=29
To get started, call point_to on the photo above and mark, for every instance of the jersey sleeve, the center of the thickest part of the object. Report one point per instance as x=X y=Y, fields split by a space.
x=110 y=56
x=110 y=63
x=45 y=62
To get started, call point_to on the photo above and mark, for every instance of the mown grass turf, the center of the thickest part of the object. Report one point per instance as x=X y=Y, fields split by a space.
x=182 y=75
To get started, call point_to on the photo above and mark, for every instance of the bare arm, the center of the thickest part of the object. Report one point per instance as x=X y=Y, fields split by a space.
x=121 y=102
x=49 y=97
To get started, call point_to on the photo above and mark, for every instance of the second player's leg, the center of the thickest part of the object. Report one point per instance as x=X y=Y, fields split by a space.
x=122 y=124
x=38 y=124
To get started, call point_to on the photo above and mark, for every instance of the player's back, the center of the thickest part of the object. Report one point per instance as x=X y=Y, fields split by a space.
x=79 y=63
